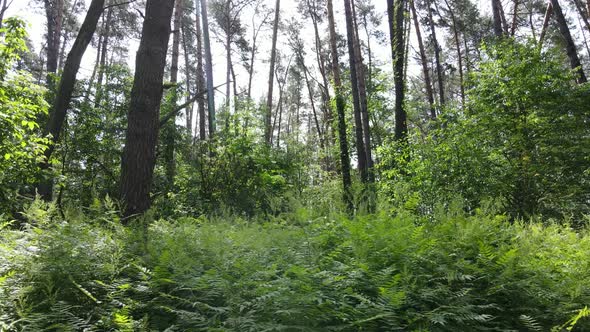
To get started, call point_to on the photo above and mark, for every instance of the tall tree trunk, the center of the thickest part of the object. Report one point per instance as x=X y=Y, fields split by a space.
x=139 y=154
x=362 y=87
x=228 y=60
x=208 y=69
x=360 y=145
x=63 y=96
x=459 y=56
x=169 y=130
x=54 y=13
x=570 y=46
x=279 y=117
x=424 y=61
x=187 y=78
x=65 y=38
x=313 y=14
x=3 y=9
x=313 y=108
x=514 y=18
x=176 y=42
x=437 y=49
x=340 y=110
x=497 y=18
x=546 y=19
x=503 y=18
x=396 y=29
x=585 y=38
x=200 y=77
x=273 y=54
x=95 y=69
x=103 y=58
x=582 y=14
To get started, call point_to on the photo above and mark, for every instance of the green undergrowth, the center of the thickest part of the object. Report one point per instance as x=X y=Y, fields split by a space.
x=86 y=272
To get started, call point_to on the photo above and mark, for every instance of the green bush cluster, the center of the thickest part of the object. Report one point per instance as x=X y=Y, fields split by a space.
x=373 y=273
x=521 y=140
x=239 y=176
x=21 y=104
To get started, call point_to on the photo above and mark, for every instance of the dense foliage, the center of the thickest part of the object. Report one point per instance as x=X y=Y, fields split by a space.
x=21 y=104
x=517 y=142
x=363 y=195
x=458 y=273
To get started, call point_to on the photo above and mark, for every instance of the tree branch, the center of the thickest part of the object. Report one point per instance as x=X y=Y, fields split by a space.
x=179 y=108
x=119 y=4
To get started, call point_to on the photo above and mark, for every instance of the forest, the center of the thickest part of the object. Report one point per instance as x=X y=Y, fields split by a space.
x=294 y=165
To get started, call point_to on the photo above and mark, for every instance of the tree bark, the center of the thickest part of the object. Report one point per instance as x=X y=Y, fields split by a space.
x=208 y=70
x=514 y=18
x=200 y=76
x=255 y=31
x=458 y=49
x=176 y=41
x=273 y=54
x=360 y=146
x=313 y=108
x=94 y=70
x=582 y=14
x=497 y=18
x=312 y=11
x=439 y=70
x=340 y=110
x=187 y=77
x=3 y=9
x=362 y=87
x=396 y=29
x=103 y=58
x=424 y=61
x=281 y=102
x=169 y=131
x=66 y=87
x=139 y=154
x=570 y=47
x=546 y=19
x=227 y=59
x=54 y=13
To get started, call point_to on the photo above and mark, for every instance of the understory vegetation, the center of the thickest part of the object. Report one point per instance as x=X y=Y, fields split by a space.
x=297 y=273
x=363 y=195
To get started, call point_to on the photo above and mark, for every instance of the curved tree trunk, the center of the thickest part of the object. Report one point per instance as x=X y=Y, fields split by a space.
x=63 y=96
x=3 y=7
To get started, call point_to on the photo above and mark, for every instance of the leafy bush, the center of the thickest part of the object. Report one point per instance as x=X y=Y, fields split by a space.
x=373 y=273
x=239 y=176
x=521 y=140
x=21 y=103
